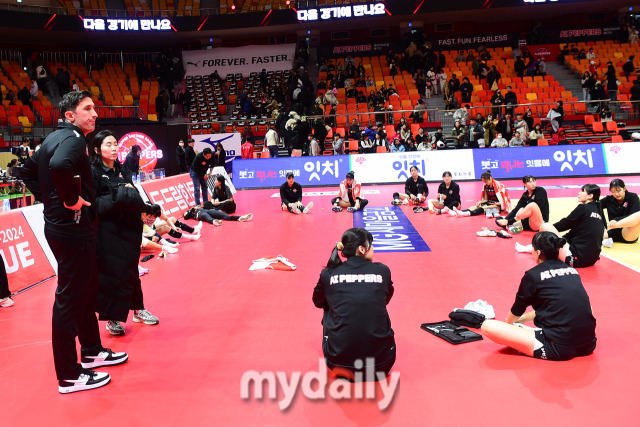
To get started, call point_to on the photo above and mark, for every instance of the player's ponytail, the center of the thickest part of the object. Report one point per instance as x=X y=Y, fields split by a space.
x=548 y=243
x=351 y=240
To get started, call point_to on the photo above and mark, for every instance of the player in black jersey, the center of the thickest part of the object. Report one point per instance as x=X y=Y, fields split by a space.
x=530 y=212
x=619 y=205
x=448 y=196
x=561 y=308
x=354 y=295
x=291 y=196
x=415 y=189
x=584 y=241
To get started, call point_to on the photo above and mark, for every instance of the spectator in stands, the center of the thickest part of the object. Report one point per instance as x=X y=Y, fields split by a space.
x=605 y=115
x=219 y=156
x=11 y=97
x=628 y=66
x=470 y=56
x=521 y=126
x=493 y=76
x=172 y=103
x=528 y=118
x=314 y=147
x=588 y=83
x=560 y=138
x=189 y=153
x=519 y=67
x=366 y=144
x=459 y=133
x=421 y=138
x=25 y=96
x=489 y=126
x=612 y=82
x=518 y=139
x=418 y=112
x=460 y=57
x=405 y=132
x=396 y=145
x=33 y=89
x=497 y=100
x=379 y=140
x=590 y=55
x=541 y=67
x=563 y=53
x=370 y=82
x=438 y=141
x=454 y=84
x=581 y=54
x=499 y=141
x=599 y=94
x=475 y=133
x=633 y=35
x=159 y=102
x=462 y=114
x=556 y=115
x=271 y=140
x=505 y=126
x=516 y=53
x=510 y=100
x=536 y=134
x=466 y=90
x=338 y=144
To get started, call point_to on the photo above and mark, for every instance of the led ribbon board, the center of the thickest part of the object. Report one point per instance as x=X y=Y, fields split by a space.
x=341 y=12
x=127 y=24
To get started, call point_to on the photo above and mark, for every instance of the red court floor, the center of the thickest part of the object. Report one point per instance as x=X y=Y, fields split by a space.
x=219 y=320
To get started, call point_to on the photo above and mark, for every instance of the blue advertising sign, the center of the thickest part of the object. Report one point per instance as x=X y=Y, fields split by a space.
x=265 y=173
x=545 y=161
x=391 y=229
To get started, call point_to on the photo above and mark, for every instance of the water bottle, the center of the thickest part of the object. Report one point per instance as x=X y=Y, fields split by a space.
x=5 y=205
x=161 y=173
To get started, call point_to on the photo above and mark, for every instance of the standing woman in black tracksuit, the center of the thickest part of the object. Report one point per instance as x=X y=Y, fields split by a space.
x=448 y=196
x=584 y=241
x=354 y=295
x=561 y=311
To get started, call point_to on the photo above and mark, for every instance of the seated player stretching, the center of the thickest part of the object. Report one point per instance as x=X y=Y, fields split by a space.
x=349 y=195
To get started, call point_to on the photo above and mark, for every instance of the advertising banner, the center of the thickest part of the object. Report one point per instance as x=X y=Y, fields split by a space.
x=472 y=42
x=24 y=259
x=231 y=142
x=548 y=52
x=244 y=59
x=264 y=173
x=391 y=229
x=622 y=158
x=173 y=194
x=394 y=167
x=149 y=155
x=558 y=160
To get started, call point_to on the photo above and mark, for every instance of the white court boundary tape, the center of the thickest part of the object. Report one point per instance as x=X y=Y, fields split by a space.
x=327 y=193
x=620 y=262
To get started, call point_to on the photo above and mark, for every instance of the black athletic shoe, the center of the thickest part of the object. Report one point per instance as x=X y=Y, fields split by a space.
x=87 y=380
x=104 y=357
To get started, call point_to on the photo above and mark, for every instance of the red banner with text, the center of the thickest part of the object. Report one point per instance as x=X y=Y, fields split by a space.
x=548 y=52
x=174 y=194
x=24 y=259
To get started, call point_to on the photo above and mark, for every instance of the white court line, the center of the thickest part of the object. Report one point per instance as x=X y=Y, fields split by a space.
x=621 y=263
x=25 y=345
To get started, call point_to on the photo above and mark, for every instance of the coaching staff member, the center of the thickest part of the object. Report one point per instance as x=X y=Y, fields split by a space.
x=59 y=175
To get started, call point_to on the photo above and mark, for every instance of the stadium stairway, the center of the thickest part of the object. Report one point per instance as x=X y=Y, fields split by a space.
x=570 y=81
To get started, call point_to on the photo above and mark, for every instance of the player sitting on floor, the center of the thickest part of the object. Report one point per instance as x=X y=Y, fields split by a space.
x=349 y=195
x=493 y=200
x=291 y=196
x=584 y=241
x=619 y=205
x=629 y=227
x=530 y=212
x=561 y=308
x=415 y=189
x=448 y=196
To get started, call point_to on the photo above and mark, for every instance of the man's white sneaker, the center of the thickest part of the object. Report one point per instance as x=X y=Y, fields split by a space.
x=105 y=357
x=87 y=380
x=246 y=217
x=217 y=222
x=114 y=327
x=142 y=271
x=191 y=236
x=6 y=302
x=308 y=208
x=608 y=242
x=523 y=248
x=143 y=316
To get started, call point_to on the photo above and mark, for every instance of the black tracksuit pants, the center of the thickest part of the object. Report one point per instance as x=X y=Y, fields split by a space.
x=74 y=309
x=4 y=281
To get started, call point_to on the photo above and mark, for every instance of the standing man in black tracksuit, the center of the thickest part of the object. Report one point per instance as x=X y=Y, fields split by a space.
x=59 y=175
x=189 y=153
